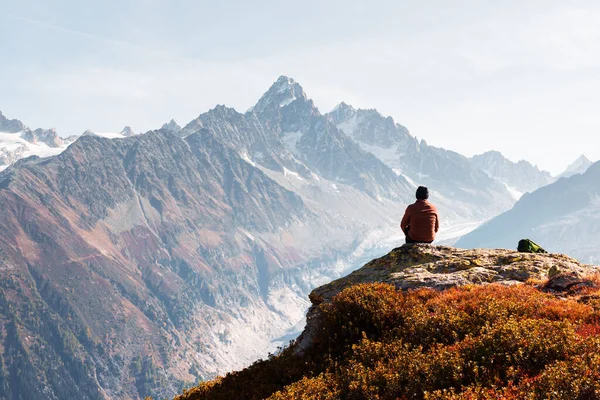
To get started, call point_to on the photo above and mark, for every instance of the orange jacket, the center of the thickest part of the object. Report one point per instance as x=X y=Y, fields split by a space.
x=421 y=221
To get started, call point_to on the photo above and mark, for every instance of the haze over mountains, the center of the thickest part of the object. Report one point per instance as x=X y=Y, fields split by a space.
x=133 y=264
x=563 y=217
x=579 y=166
x=521 y=177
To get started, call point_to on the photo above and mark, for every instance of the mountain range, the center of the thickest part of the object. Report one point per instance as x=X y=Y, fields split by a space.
x=520 y=177
x=562 y=217
x=136 y=264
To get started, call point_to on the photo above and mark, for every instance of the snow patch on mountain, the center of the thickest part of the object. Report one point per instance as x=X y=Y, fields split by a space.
x=13 y=147
x=287 y=101
x=287 y=172
x=390 y=156
x=107 y=135
x=349 y=125
x=514 y=192
x=244 y=155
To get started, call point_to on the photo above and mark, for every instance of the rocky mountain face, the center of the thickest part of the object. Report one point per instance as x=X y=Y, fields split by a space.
x=10 y=125
x=171 y=127
x=522 y=177
x=370 y=128
x=561 y=217
x=285 y=131
x=132 y=266
x=463 y=191
x=578 y=166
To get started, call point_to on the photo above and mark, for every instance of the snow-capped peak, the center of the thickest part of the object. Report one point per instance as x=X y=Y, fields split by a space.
x=282 y=93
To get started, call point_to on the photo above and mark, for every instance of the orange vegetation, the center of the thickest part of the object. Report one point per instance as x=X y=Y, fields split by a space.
x=474 y=342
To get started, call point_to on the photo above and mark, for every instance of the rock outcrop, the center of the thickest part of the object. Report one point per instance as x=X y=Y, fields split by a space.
x=440 y=267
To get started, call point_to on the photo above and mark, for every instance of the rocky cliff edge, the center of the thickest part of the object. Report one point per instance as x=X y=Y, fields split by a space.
x=441 y=267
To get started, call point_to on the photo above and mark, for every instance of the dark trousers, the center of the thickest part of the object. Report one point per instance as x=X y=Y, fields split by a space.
x=410 y=241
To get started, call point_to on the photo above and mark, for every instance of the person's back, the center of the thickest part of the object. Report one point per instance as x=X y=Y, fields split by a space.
x=420 y=222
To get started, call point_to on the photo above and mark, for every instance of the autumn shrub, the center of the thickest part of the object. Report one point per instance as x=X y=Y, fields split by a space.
x=474 y=342
x=322 y=387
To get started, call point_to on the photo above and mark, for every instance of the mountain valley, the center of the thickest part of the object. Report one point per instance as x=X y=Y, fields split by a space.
x=139 y=264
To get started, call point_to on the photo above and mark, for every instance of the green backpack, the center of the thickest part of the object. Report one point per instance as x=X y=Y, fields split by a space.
x=529 y=246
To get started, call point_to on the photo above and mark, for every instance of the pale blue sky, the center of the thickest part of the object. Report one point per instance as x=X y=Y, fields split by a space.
x=522 y=77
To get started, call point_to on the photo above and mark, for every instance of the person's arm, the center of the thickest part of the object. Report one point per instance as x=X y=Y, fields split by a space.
x=405 y=221
x=437 y=222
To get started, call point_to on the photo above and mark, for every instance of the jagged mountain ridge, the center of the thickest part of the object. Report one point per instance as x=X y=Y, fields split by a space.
x=463 y=190
x=10 y=125
x=521 y=176
x=370 y=127
x=562 y=217
x=286 y=130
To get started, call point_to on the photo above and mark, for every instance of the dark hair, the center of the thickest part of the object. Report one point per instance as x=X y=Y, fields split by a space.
x=422 y=193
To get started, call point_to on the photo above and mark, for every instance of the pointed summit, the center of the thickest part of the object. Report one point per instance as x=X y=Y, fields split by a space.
x=342 y=112
x=578 y=166
x=127 y=131
x=282 y=93
x=343 y=106
x=171 y=127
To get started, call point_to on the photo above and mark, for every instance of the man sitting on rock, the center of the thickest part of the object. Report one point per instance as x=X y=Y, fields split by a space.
x=421 y=221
